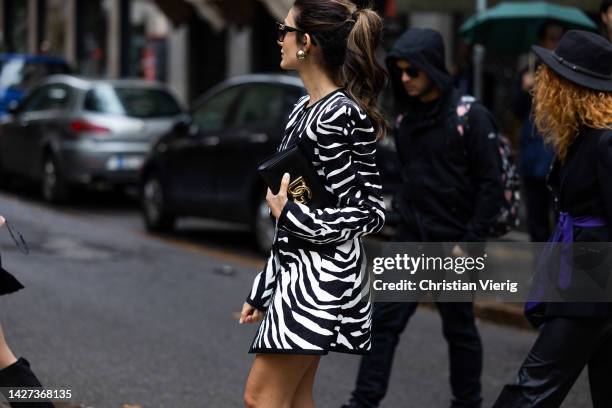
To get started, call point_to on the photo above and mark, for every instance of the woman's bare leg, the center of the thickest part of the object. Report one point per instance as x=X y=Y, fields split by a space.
x=6 y=355
x=303 y=394
x=274 y=378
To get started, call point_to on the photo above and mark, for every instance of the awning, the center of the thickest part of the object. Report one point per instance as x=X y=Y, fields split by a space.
x=209 y=12
x=278 y=8
x=218 y=13
x=178 y=12
x=468 y=6
x=239 y=12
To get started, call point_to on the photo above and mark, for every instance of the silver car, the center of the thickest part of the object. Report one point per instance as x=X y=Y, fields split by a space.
x=72 y=131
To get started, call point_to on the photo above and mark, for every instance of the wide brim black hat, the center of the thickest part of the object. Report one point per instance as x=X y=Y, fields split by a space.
x=581 y=58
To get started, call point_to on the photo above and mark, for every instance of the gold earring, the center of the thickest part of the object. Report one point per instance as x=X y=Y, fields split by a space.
x=301 y=55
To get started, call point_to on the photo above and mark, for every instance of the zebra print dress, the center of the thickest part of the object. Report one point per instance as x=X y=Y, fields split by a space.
x=314 y=286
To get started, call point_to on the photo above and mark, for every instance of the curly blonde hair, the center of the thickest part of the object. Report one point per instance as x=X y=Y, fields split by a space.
x=562 y=107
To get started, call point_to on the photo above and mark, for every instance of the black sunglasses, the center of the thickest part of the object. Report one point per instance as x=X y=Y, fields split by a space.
x=282 y=30
x=412 y=72
x=18 y=238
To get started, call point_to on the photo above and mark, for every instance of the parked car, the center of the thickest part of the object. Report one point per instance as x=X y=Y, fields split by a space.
x=206 y=165
x=71 y=131
x=19 y=73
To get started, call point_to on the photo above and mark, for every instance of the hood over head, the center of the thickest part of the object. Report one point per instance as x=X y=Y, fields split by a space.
x=424 y=49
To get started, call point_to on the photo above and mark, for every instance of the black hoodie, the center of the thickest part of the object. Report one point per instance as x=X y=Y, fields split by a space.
x=424 y=49
x=451 y=187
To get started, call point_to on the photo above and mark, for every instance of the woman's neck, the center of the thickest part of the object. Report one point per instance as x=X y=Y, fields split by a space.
x=317 y=83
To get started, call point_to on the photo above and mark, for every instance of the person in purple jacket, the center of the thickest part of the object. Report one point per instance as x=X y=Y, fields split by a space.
x=573 y=111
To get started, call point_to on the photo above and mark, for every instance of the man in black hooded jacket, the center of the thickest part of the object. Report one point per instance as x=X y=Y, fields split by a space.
x=451 y=192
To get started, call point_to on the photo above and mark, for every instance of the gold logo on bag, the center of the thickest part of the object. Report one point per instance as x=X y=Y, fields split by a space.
x=299 y=191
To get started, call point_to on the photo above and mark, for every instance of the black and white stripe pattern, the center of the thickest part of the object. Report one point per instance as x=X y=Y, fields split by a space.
x=313 y=281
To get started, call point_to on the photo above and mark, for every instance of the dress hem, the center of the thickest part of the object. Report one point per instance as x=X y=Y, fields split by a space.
x=306 y=352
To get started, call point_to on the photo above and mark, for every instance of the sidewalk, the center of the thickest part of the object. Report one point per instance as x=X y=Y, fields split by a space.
x=507 y=314
x=510 y=314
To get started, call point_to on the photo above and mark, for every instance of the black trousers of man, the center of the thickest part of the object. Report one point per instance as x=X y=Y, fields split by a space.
x=564 y=347
x=390 y=319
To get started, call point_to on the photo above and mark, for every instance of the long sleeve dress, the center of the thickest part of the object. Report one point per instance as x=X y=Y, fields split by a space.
x=314 y=286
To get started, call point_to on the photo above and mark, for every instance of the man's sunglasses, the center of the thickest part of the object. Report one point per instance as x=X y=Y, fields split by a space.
x=412 y=72
x=283 y=29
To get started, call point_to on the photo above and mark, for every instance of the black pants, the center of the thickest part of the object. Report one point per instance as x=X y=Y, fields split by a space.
x=539 y=206
x=564 y=347
x=465 y=351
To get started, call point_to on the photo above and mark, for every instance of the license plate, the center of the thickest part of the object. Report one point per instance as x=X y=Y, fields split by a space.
x=124 y=162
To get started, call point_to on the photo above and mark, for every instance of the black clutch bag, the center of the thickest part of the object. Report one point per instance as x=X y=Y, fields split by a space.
x=305 y=186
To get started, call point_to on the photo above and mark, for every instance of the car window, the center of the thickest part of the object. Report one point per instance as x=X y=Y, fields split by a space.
x=48 y=97
x=135 y=102
x=291 y=95
x=34 y=72
x=32 y=99
x=21 y=76
x=11 y=73
x=261 y=104
x=213 y=114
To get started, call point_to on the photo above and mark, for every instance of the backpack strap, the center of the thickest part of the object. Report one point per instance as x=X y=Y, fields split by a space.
x=398 y=120
x=463 y=108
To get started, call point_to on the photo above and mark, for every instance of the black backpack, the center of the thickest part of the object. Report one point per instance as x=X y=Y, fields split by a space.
x=507 y=219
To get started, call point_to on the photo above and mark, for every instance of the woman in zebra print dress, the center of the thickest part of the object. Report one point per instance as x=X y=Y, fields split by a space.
x=313 y=295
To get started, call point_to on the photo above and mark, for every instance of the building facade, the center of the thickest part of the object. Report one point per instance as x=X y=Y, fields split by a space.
x=194 y=44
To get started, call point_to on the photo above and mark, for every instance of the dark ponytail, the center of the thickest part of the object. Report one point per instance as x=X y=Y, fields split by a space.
x=348 y=38
x=363 y=76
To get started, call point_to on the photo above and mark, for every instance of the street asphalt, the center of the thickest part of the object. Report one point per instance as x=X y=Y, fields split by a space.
x=122 y=317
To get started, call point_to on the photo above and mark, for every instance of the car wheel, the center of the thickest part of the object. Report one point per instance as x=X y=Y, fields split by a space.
x=263 y=226
x=52 y=185
x=157 y=218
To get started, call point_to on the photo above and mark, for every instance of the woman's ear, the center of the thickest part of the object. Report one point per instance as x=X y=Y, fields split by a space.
x=306 y=42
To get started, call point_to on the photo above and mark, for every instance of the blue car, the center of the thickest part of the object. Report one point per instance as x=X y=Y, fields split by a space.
x=19 y=73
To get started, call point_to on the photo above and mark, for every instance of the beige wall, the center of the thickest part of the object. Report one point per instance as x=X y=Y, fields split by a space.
x=178 y=62
x=113 y=51
x=32 y=27
x=57 y=27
